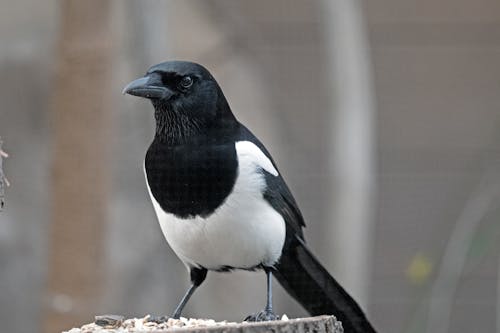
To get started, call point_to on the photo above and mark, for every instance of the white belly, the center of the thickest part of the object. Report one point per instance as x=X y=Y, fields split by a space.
x=243 y=232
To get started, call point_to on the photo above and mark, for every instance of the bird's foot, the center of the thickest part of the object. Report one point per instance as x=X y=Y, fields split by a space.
x=264 y=315
x=158 y=319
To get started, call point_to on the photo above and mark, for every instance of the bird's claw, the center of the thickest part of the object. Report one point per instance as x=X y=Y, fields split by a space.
x=264 y=315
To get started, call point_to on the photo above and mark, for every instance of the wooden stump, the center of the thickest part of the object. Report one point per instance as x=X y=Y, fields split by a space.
x=320 y=324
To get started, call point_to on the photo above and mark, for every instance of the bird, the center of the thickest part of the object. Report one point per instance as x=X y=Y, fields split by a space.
x=220 y=200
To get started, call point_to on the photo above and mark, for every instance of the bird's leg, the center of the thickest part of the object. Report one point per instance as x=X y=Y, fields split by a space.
x=266 y=314
x=184 y=300
x=198 y=275
x=269 y=301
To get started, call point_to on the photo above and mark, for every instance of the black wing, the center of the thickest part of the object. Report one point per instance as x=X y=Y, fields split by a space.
x=277 y=192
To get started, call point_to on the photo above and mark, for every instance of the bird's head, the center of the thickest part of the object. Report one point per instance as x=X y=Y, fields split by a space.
x=182 y=93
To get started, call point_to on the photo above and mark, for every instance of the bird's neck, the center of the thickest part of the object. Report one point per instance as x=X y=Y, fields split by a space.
x=176 y=128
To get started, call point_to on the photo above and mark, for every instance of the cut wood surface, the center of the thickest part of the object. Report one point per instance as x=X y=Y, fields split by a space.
x=320 y=324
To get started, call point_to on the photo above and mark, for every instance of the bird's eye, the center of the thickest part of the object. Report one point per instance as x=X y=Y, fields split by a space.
x=186 y=82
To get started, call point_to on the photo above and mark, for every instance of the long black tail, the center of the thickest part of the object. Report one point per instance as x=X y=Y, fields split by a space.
x=306 y=280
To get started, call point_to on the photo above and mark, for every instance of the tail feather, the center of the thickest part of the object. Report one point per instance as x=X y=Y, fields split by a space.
x=306 y=280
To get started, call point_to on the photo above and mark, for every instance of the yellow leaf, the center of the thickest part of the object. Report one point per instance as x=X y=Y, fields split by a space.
x=419 y=269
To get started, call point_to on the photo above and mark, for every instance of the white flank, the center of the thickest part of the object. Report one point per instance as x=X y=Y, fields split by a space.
x=249 y=152
x=242 y=233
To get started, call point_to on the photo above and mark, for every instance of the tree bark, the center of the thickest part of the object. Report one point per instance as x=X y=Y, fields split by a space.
x=81 y=125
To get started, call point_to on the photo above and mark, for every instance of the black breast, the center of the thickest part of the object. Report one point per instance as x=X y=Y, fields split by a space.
x=191 y=180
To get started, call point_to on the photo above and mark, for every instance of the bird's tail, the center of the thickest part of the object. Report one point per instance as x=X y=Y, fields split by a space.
x=306 y=280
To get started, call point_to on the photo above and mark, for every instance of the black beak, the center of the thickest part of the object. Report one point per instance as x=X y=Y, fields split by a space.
x=147 y=87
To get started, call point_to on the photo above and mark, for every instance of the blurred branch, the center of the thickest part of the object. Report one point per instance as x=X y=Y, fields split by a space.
x=498 y=298
x=81 y=126
x=455 y=254
x=352 y=162
x=3 y=180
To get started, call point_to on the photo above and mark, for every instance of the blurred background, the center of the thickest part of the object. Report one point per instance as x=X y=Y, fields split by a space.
x=383 y=116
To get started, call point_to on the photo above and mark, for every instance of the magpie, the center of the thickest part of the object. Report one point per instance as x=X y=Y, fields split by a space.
x=220 y=200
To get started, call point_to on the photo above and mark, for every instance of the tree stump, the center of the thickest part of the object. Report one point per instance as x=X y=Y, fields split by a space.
x=320 y=324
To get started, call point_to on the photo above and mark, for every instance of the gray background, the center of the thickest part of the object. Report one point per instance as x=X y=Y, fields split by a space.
x=435 y=74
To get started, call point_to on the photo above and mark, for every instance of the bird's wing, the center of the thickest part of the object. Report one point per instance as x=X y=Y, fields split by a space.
x=277 y=192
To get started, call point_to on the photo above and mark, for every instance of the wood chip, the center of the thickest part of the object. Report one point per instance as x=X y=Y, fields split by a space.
x=109 y=321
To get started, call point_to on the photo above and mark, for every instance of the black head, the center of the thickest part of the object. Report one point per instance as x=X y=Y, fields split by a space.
x=185 y=96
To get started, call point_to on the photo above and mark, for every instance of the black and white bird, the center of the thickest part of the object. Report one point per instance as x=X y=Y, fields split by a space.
x=220 y=199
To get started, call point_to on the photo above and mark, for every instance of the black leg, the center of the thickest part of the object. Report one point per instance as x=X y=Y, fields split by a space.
x=269 y=302
x=198 y=275
x=184 y=300
x=266 y=314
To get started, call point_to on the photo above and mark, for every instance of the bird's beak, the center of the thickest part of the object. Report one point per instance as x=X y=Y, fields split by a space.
x=147 y=87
